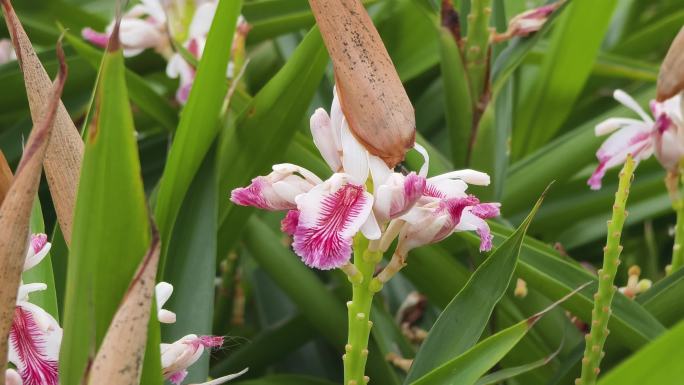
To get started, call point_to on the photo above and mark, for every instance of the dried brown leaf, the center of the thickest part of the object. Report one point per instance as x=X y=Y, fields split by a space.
x=15 y=212
x=374 y=102
x=5 y=177
x=65 y=151
x=123 y=348
x=671 y=76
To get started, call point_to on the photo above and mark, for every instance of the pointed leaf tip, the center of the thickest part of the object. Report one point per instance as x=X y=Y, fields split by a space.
x=533 y=319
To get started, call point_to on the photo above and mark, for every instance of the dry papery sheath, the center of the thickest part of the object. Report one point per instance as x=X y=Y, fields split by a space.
x=374 y=102
x=671 y=76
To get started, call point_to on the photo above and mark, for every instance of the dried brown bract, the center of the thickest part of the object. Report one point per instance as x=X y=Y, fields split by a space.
x=374 y=102
x=671 y=76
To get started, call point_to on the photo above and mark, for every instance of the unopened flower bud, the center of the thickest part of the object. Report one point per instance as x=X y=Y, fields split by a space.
x=374 y=102
x=527 y=22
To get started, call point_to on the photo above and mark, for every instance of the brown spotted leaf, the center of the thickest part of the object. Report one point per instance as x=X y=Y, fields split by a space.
x=65 y=151
x=123 y=348
x=374 y=102
x=671 y=76
x=5 y=177
x=15 y=212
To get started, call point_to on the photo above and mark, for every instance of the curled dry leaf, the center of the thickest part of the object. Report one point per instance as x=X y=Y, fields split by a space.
x=123 y=348
x=5 y=177
x=671 y=76
x=374 y=102
x=15 y=212
x=65 y=151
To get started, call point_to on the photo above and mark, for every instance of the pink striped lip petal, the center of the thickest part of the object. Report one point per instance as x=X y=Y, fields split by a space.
x=330 y=215
x=38 y=241
x=289 y=224
x=28 y=344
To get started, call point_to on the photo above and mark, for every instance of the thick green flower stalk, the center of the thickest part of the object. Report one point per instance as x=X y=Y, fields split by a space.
x=356 y=350
x=593 y=352
x=677 y=249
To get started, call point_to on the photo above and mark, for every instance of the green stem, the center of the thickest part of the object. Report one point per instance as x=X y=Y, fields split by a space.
x=677 y=248
x=356 y=350
x=477 y=47
x=593 y=352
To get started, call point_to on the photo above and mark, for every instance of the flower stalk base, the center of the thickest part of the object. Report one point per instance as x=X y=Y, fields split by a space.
x=593 y=352
x=359 y=308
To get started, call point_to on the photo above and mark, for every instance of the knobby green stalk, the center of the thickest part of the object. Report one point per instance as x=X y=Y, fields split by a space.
x=477 y=47
x=593 y=352
x=356 y=350
x=677 y=249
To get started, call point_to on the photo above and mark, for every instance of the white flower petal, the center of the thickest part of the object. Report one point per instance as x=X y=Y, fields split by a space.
x=354 y=156
x=324 y=139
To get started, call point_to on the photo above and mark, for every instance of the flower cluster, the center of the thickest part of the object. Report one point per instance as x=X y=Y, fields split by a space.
x=35 y=335
x=662 y=134
x=156 y=25
x=324 y=215
x=178 y=356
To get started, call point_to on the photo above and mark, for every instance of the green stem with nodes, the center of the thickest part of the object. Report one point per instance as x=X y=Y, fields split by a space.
x=593 y=352
x=678 y=247
x=477 y=47
x=356 y=350
x=672 y=182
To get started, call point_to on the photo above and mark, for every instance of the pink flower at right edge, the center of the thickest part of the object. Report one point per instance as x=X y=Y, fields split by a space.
x=663 y=136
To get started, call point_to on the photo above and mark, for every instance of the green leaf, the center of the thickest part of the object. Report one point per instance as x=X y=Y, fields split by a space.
x=192 y=264
x=462 y=322
x=262 y=132
x=516 y=52
x=664 y=298
x=508 y=373
x=320 y=307
x=267 y=347
x=561 y=77
x=285 y=379
x=107 y=246
x=550 y=162
x=656 y=363
x=42 y=272
x=199 y=122
x=467 y=367
x=139 y=89
x=457 y=101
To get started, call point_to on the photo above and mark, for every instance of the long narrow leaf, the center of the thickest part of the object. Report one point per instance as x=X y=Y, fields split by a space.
x=107 y=246
x=462 y=322
x=199 y=121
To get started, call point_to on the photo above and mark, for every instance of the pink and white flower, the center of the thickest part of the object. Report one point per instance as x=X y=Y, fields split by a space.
x=35 y=336
x=641 y=138
x=153 y=24
x=142 y=27
x=178 y=356
x=329 y=217
x=323 y=216
x=162 y=293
